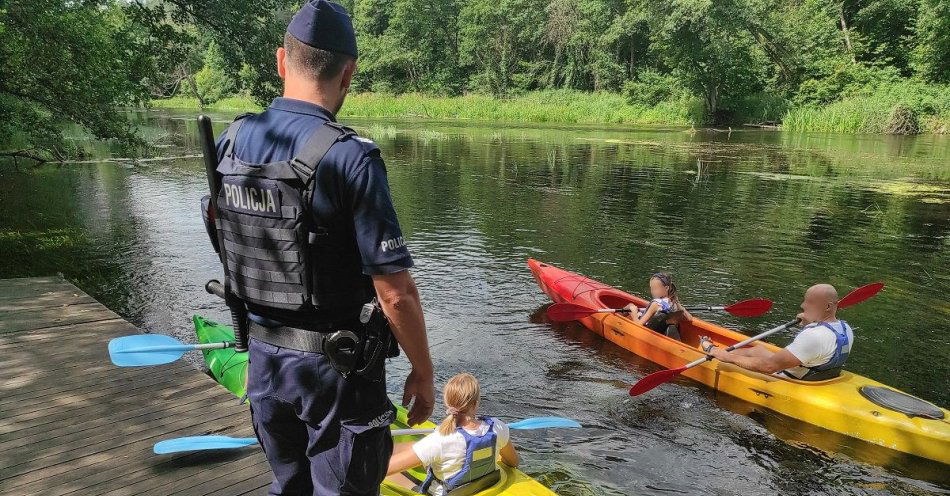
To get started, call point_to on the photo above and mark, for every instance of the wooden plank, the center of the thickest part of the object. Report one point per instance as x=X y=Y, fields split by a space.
x=43 y=300
x=92 y=385
x=225 y=468
x=98 y=439
x=72 y=423
x=80 y=334
x=132 y=454
x=155 y=469
x=49 y=317
x=74 y=381
x=25 y=289
x=100 y=330
x=35 y=284
x=201 y=400
x=256 y=485
x=37 y=378
x=66 y=422
x=222 y=478
x=135 y=437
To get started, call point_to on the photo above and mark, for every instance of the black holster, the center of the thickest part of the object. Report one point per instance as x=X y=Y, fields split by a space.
x=377 y=343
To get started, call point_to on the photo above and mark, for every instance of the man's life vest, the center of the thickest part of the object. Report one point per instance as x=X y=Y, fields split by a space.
x=282 y=261
x=481 y=453
x=844 y=339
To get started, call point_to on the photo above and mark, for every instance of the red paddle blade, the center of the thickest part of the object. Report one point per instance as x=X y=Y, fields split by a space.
x=655 y=379
x=861 y=294
x=750 y=308
x=567 y=312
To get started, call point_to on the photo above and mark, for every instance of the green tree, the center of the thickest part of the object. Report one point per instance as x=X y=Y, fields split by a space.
x=76 y=62
x=708 y=45
x=499 y=43
x=931 y=56
x=214 y=80
x=67 y=62
x=883 y=28
x=411 y=45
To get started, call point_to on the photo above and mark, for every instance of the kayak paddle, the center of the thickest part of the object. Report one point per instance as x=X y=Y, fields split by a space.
x=566 y=312
x=153 y=349
x=198 y=443
x=655 y=379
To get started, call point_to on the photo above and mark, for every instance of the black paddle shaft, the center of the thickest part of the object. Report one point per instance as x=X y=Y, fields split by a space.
x=238 y=311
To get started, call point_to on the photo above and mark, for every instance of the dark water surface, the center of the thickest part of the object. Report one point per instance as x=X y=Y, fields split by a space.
x=732 y=215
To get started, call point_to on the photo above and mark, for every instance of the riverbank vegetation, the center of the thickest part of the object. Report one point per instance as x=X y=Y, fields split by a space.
x=552 y=106
x=849 y=66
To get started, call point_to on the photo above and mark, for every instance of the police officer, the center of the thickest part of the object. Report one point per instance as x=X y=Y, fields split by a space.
x=309 y=236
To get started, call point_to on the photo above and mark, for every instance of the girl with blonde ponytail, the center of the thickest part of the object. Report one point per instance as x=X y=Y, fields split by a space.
x=464 y=448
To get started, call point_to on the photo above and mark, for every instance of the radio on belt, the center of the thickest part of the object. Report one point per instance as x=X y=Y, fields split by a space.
x=367 y=312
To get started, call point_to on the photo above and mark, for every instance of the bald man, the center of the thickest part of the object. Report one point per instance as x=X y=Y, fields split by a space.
x=818 y=352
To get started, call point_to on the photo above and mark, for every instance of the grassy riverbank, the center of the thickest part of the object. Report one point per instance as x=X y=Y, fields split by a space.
x=902 y=108
x=571 y=107
x=878 y=113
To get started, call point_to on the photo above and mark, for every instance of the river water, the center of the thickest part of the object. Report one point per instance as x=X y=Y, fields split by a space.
x=733 y=215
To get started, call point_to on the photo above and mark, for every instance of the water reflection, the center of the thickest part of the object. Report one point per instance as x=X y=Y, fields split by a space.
x=733 y=216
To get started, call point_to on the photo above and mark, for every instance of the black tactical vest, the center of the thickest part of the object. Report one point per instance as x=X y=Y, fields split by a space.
x=286 y=264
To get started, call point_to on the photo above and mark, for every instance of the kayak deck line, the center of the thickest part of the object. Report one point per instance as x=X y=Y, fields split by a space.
x=91 y=436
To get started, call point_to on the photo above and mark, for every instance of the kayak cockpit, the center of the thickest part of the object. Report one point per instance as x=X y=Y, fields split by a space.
x=611 y=298
x=690 y=331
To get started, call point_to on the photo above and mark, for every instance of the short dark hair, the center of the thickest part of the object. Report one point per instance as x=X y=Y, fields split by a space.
x=322 y=64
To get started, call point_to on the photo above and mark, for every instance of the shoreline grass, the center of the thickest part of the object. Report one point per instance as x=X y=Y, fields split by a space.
x=862 y=114
x=567 y=107
x=888 y=109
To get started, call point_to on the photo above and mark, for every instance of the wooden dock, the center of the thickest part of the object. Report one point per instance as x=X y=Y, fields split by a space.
x=72 y=423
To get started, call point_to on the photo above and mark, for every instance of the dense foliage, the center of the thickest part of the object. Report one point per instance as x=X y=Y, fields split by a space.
x=734 y=60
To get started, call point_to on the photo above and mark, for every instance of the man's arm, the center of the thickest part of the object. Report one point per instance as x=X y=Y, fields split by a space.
x=766 y=363
x=400 y=301
x=386 y=259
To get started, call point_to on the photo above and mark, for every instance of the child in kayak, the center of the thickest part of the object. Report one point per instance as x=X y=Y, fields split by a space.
x=665 y=311
x=463 y=449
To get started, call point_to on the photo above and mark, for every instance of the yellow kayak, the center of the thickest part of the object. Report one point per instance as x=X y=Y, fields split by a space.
x=229 y=369
x=850 y=404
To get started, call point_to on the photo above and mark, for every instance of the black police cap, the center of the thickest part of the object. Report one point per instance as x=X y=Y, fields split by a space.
x=325 y=25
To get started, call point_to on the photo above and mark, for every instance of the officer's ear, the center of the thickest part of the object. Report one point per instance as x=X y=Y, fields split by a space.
x=281 y=62
x=348 y=71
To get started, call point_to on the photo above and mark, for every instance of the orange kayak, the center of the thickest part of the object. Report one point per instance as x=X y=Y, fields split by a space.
x=843 y=405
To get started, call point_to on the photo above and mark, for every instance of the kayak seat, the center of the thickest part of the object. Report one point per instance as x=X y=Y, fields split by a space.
x=901 y=402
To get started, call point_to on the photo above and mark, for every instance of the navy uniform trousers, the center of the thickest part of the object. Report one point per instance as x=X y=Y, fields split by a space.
x=323 y=435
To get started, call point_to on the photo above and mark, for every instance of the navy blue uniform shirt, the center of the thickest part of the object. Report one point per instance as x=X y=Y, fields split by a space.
x=350 y=181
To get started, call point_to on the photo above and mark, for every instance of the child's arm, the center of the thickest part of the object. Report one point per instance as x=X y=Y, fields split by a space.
x=404 y=458
x=510 y=456
x=687 y=316
x=648 y=314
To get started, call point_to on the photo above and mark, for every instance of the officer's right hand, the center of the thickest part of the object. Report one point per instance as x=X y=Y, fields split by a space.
x=420 y=391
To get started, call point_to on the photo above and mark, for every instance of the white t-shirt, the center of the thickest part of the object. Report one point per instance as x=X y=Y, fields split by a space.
x=815 y=345
x=446 y=454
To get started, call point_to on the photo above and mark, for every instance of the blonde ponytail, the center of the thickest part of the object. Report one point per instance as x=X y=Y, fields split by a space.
x=461 y=397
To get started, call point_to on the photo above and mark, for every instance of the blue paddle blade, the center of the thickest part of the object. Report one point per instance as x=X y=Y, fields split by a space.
x=134 y=351
x=198 y=443
x=544 y=423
